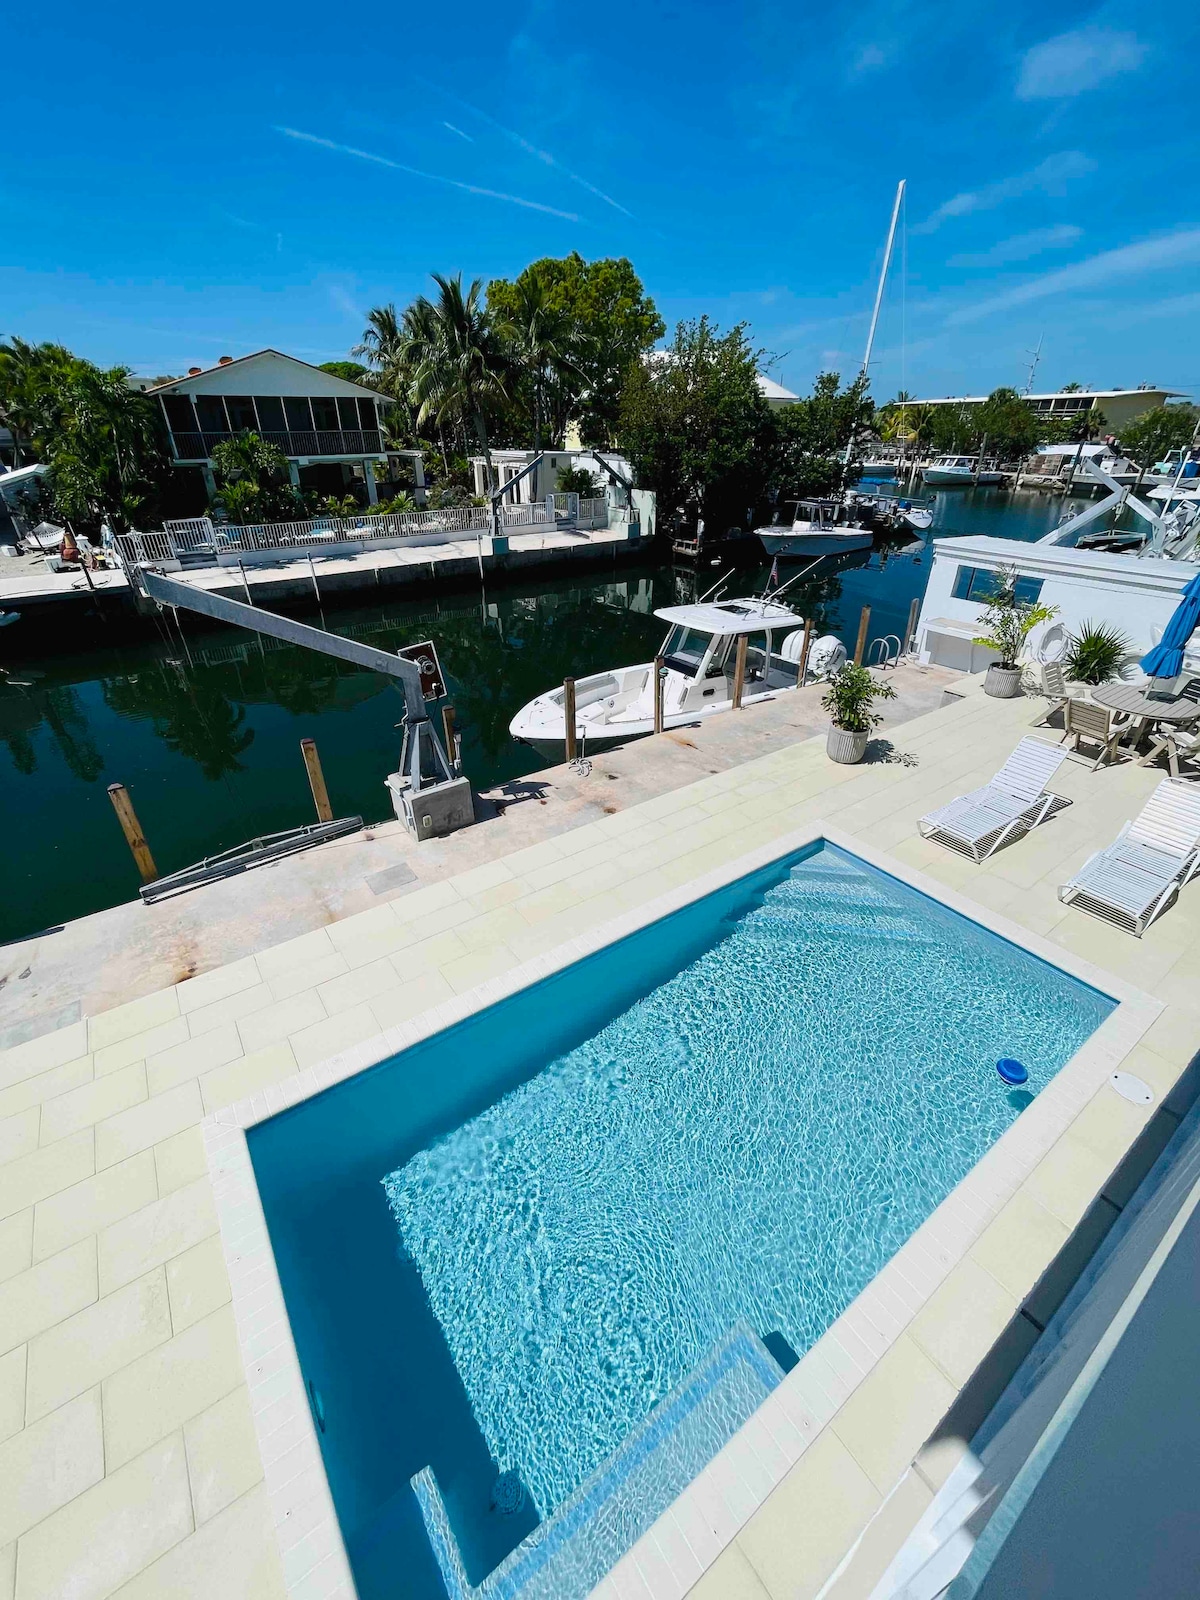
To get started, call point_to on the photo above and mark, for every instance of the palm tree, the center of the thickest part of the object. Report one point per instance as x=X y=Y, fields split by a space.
x=381 y=337
x=460 y=364
x=31 y=381
x=543 y=340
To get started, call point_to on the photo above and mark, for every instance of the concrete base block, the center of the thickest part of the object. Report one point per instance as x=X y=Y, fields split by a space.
x=433 y=812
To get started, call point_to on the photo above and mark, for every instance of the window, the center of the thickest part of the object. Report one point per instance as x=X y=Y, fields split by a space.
x=684 y=650
x=210 y=409
x=979 y=584
x=348 y=414
x=240 y=409
x=180 y=416
x=299 y=418
x=325 y=415
x=270 y=413
x=367 y=415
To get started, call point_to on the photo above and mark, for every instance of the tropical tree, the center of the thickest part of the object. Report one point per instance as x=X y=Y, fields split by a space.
x=695 y=426
x=381 y=337
x=351 y=371
x=32 y=380
x=1008 y=425
x=544 y=342
x=814 y=433
x=614 y=323
x=459 y=364
x=1148 y=437
x=252 y=480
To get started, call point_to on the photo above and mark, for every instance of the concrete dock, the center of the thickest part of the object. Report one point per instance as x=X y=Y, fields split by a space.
x=104 y=960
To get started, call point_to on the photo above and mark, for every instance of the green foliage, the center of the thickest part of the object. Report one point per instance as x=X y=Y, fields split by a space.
x=1148 y=437
x=1078 y=428
x=695 y=426
x=1008 y=622
x=102 y=441
x=547 y=347
x=851 y=697
x=341 y=506
x=403 y=501
x=456 y=362
x=812 y=434
x=578 y=480
x=1007 y=427
x=351 y=371
x=1095 y=653
x=608 y=322
x=252 y=480
x=952 y=429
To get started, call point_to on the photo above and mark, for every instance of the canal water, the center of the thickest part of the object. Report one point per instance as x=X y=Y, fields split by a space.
x=204 y=729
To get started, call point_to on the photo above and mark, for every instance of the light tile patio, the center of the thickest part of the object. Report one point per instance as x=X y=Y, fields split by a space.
x=115 y=1296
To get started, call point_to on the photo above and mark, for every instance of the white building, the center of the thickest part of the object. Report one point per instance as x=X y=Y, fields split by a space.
x=330 y=430
x=775 y=394
x=509 y=464
x=1118 y=406
x=1135 y=594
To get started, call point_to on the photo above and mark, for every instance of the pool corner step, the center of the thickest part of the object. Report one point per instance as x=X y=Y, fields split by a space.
x=568 y=1554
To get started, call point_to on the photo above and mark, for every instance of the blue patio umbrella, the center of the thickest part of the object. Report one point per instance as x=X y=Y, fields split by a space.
x=1165 y=660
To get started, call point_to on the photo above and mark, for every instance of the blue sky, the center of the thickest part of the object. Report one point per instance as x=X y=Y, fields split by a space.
x=183 y=183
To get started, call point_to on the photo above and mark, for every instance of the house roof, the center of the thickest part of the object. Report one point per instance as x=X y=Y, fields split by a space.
x=345 y=384
x=770 y=390
x=1055 y=394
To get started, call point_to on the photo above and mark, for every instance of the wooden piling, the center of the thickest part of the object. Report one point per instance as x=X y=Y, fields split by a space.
x=658 y=693
x=449 y=736
x=914 y=611
x=864 y=623
x=739 y=671
x=806 y=645
x=569 y=716
x=132 y=830
x=316 y=780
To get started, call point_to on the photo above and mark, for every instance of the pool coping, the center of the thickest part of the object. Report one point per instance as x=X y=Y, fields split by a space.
x=710 y=1513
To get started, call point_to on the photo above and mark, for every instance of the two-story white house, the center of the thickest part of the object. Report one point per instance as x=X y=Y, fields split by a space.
x=330 y=430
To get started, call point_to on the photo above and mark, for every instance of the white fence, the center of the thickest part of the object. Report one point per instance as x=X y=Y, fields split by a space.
x=192 y=536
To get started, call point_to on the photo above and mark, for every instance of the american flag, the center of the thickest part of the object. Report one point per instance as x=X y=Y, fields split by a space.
x=773 y=580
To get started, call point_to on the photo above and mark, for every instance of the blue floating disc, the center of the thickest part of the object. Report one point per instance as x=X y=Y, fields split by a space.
x=508 y=1494
x=1011 y=1071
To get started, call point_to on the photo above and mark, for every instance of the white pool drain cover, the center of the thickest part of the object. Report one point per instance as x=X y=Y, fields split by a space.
x=1132 y=1088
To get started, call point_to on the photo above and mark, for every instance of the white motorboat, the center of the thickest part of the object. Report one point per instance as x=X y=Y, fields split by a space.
x=809 y=528
x=699 y=659
x=917 y=516
x=949 y=471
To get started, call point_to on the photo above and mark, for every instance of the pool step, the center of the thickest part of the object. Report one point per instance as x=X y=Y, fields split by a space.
x=566 y=1556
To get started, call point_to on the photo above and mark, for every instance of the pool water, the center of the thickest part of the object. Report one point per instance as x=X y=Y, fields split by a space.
x=735 y=1116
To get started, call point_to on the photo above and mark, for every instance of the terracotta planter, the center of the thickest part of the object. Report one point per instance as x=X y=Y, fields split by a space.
x=845 y=745
x=1002 y=683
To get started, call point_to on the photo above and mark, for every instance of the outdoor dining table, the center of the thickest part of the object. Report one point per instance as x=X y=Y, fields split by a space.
x=1173 y=711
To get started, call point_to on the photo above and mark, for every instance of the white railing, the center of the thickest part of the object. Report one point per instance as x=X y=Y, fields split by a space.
x=592 y=513
x=192 y=533
x=135 y=547
x=534 y=516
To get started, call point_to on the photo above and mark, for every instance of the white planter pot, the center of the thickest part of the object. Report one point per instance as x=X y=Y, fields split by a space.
x=841 y=744
x=1002 y=683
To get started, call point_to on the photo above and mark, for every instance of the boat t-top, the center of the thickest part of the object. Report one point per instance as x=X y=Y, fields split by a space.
x=699 y=659
x=948 y=471
x=810 y=528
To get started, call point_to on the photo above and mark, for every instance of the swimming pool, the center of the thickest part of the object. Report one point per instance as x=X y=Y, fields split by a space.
x=508 y=1252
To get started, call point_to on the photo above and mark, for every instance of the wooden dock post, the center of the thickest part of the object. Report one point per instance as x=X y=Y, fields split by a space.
x=658 y=694
x=806 y=645
x=739 y=671
x=449 y=736
x=316 y=780
x=132 y=830
x=569 y=717
x=864 y=623
x=914 y=612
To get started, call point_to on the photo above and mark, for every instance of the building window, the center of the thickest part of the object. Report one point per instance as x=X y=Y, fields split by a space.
x=240 y=409
x=299 y=418
x=210 y=409
x=979 y=584
x=367 y=415
x=270 y=413
x=348 y=414
x=180 y=416
x=325 y=414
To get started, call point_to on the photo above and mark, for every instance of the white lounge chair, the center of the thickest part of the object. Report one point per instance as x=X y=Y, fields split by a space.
x=1013 y=802
x=1146 y=865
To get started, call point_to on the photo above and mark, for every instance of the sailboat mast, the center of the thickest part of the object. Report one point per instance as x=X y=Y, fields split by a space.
x=887 y=261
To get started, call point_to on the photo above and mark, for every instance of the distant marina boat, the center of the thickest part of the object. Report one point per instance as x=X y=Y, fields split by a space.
x=807 y=528
x=878 y=469
x=699 y=656
x=948 y=471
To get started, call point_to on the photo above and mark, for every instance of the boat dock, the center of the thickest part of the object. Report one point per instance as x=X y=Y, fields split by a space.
x=114 y=956
x=302 y=574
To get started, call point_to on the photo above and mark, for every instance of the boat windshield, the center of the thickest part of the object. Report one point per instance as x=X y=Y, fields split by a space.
x=785 y=514
x=684 y=649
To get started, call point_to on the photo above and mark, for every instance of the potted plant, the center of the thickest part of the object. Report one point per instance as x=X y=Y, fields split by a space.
x=1008 y=623
x=1096 y=653
x=849 y=700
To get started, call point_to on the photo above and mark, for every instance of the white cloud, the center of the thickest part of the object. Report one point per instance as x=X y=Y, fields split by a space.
x=1021 y=246
x=1131 y=260
x=1050 y=176
x=1071 y=63
x=459 y=132
x=431 y=177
